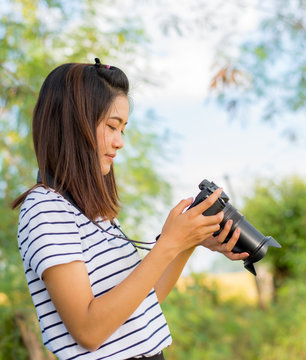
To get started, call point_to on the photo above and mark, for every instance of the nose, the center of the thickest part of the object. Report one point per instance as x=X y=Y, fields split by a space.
x=118 y=142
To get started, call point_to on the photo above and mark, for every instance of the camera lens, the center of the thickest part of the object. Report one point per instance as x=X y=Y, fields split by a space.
x=250 y=240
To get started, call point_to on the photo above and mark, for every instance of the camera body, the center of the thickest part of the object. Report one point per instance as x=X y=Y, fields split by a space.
x=250 y=240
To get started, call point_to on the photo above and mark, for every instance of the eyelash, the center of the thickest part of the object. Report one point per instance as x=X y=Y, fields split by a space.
x=113 y=128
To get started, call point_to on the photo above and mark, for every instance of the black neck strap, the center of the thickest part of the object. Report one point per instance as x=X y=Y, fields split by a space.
x=69 y=197
x=50 y=183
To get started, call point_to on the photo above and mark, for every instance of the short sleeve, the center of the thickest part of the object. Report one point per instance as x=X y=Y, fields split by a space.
x=48 y=234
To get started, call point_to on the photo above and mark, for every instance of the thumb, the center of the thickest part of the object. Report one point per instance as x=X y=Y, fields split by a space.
x=179 y=208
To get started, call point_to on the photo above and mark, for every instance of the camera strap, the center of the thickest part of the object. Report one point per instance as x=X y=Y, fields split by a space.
x=67 y=195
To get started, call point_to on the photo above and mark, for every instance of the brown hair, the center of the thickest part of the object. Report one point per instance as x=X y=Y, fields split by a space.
x=72 y=100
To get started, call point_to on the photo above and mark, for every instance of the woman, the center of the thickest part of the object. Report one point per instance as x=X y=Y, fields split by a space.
x=94 y=297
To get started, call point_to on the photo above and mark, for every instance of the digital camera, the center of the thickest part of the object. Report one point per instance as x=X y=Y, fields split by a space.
x=250 y=240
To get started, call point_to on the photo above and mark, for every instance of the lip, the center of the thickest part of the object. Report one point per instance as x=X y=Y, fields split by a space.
x=110 y=156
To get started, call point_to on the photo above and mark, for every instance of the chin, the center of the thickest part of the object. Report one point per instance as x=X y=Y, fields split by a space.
x=105 y=170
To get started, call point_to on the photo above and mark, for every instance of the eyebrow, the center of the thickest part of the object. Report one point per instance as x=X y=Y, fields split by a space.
x=119 y=119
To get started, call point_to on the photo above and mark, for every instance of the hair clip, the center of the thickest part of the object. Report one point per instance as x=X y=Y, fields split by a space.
x=98 y=62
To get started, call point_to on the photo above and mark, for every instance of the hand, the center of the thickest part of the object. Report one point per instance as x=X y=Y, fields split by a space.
x=217 y=243
x=185 y=230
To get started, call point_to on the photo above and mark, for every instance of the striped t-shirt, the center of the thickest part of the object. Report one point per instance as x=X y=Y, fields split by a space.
x=51 y=231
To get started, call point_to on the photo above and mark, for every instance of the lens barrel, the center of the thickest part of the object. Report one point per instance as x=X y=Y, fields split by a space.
x=250 y=240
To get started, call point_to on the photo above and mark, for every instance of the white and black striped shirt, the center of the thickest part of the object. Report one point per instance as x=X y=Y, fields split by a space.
x=51 y=231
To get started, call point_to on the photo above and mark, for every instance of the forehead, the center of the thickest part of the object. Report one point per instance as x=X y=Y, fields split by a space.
x=120 y=108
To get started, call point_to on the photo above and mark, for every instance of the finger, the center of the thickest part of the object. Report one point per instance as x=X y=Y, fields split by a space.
x=213 y=219
x=179 y=208
x=208 y=202
x=208 y=230
x=236 y=256
x=233 y=240
x=223 y=234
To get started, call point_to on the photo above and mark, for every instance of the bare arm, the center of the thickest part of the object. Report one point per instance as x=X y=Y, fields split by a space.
x=92 y=320
x=170 y=276
x=174 y=270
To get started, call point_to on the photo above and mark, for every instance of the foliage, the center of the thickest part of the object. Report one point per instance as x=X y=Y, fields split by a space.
x=10 y=343
x=203 y=327
x=268 y=74
x=289 y=327
x=279 y=209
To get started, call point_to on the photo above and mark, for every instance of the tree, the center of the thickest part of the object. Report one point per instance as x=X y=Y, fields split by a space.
x=261 y=71
x=279 y=210
x=268 y=75
x=32 y=45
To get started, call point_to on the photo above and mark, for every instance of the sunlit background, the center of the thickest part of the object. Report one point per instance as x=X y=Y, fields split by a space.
x=233 y=150
x=218 y=91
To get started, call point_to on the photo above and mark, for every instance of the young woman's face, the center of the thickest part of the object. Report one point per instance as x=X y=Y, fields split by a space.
x=110 y=132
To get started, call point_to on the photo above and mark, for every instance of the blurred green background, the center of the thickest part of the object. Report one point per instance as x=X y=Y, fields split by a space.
x=211 y=316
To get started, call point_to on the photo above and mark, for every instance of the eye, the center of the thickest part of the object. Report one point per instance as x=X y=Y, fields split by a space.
x=112 y=127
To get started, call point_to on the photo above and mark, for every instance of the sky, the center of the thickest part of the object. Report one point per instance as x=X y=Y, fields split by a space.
x=207 y=144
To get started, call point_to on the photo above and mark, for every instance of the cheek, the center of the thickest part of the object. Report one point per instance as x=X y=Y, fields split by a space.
x=101 y=135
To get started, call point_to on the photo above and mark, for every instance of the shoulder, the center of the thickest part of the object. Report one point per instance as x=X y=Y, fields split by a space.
x=48 y=232
x=41 y=194
x=44 y=204
x=42 y=198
